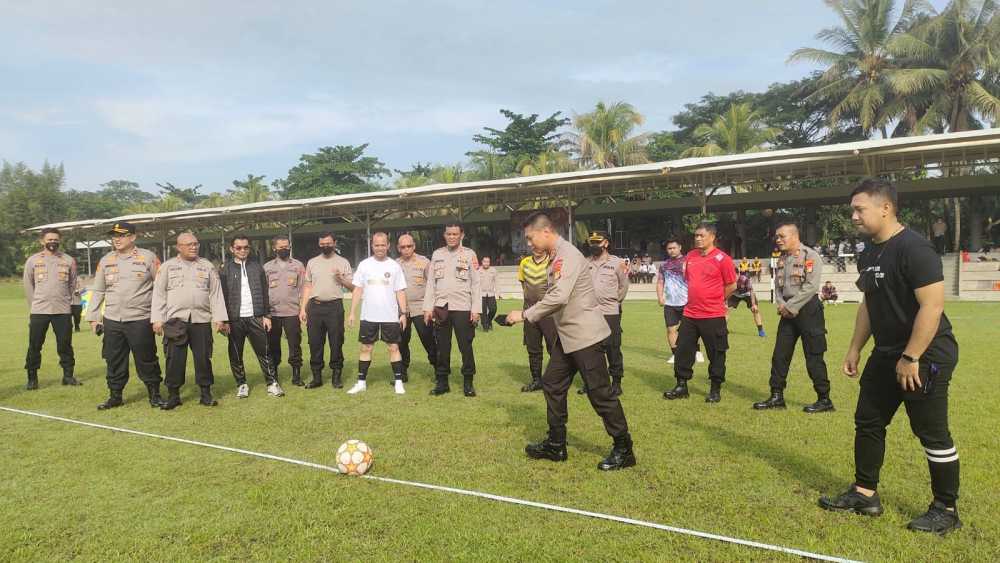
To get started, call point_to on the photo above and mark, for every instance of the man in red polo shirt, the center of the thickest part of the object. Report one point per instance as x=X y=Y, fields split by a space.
x=711 y=280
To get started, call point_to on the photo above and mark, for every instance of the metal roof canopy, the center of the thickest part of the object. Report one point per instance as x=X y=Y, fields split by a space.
x=846 y=161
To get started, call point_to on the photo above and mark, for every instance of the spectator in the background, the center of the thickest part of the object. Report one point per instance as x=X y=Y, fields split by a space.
x=939 y=229
x=828 y=294
x=756 y=268
x=76 y=305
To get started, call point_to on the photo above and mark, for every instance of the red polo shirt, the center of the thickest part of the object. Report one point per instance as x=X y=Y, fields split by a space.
x=707 y=278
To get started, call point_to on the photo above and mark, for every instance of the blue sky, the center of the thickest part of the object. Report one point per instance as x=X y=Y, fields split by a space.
x=202 y=92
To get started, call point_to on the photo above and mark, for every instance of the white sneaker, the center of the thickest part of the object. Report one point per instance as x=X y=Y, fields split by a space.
x=275 y=390
x=399 y=387
x=671 y=360
x=698 y=357
x=359 y=387
x=243 y=391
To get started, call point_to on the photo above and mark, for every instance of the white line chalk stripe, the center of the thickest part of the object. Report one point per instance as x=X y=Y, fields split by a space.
x=498 y=498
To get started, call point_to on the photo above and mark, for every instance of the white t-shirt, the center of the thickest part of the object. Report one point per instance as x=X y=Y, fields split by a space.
x=379 y=280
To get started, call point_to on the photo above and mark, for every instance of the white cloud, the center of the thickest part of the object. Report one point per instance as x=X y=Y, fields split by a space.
x=638 y=67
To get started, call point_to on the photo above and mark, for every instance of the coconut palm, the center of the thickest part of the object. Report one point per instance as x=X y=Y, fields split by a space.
x=740 y=130
x=859 y=72
x=604 y=137
x=549 y=162
x=251 y=190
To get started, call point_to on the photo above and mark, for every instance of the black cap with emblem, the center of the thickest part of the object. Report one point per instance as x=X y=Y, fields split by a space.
x=122 y=228
x=597 y=237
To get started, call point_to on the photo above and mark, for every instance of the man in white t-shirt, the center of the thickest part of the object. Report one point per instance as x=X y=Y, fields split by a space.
x=380 y=282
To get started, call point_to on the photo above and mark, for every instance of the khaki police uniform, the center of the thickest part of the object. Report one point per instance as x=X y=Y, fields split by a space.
x=325 y=312
x=488 y=289
x=416 y=270
x=452 y=294
x=285 y=279
x=188 y=294
x=49 y=282
x=611 y=285
x=798 y=277
x=572 y=303
x=121 y=298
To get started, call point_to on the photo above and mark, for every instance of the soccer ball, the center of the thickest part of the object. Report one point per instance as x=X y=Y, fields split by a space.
x=354 y=457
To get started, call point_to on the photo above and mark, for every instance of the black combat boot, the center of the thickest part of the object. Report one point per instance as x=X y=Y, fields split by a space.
x=535 y=385
x=155 y=400
x=317 y=380
x=853 y=501
x=823 y=404
x=114 y=400
x=775 y=401
x=616 y=386
x=714 y=393
x=680 y=391
x=621 y=455
x=441 y=387
x=297 y=377
x=68 y=378
x=467 y=387
x=173 y=399
x=206 y=397
x=337 y=382
x=552 y=448
x=32 y=380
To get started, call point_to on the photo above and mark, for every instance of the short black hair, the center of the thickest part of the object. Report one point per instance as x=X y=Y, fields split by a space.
x=50 y=231
x=461 y=229
x=236 y=237
x=381 y=233
x=878 y=187
x=706 y=226
x=787 y=223
x=327 y=234
x=537 y=220
x=278 y=238
x=672 y=240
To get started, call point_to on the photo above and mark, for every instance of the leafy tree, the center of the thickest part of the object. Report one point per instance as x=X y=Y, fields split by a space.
x=604 y=137
x=549 y=162
x=333 y=171
x=189 y=196
x=252 y=189
x=27 y=198
x=664 y=146
x=704 y=111
x=524 y=137
x=802 y=119
x=739 y=130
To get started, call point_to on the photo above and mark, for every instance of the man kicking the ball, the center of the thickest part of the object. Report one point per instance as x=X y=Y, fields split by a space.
x=572 y=303
x=380 y=282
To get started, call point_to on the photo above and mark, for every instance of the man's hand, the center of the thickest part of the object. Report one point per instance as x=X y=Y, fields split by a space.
x=907 y=374
x=220 y=326
x=474 y=317
x=851 y=362
x=302 y=316
x=94 y=325
x=515 y=317
x=158 y=328
x=428 y=317
x=754 y=308
x=402 y=321
x=350 y=321
x=662 y=301
x=266 y=322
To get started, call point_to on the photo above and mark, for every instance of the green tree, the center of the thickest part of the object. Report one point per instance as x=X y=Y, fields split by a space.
x=27 y=198
x=604 y=138
x=739 y=130
x=705 y=110
x=332 y=171
x=551 y=161
x=490 y=165
x=189 y=196
x=252 y=189
x=664 y=146
x=524 y=137
x=802 y=119
x=858 y=78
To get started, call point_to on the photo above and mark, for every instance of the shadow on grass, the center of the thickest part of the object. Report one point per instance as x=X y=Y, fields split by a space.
x=530 y=422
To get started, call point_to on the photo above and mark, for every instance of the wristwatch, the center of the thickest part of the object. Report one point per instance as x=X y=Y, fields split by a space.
x=910 y=358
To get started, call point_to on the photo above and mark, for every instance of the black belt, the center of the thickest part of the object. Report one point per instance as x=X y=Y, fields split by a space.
x=321 y=302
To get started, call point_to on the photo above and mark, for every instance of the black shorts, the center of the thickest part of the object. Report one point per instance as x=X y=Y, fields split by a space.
x=672 y=315
x=735 y=300
x=391 y=333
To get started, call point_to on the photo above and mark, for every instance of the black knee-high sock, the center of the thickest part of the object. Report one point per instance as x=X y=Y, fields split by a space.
x=397 y=370
x=363 y=366
x=944 y=475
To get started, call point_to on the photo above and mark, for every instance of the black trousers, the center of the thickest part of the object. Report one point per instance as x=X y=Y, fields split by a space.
x=465 y=331
x=292 y=328
x=325 y=323
x=425 y=334
x=200 y=340
x=489 y=312
x=715 y=335
x=612 y=346
x=135 y=337
x=77 y=312
x=939 y=244
x=534 y=335
x=879 y=400
x=38 y=327
x=249 y=328
x=810 y=325
x=558 y=378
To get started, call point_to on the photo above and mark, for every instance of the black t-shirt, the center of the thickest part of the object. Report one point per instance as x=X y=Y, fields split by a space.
x=902 y=264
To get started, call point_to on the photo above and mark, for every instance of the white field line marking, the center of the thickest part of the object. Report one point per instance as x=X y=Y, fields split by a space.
x=478 y=494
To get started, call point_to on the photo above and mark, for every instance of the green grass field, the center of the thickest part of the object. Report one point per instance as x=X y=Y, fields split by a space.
x=73 y=492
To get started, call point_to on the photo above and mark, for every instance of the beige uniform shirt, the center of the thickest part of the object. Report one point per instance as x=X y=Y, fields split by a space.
x=416 y=270
x=49 y=283
x=610 y=283
x=189 y=290
x=285 y=279
x=124 y=285
x=571 y=301
x=321 y=273
x=488 y=282
x=797 y=278
x=454 y=281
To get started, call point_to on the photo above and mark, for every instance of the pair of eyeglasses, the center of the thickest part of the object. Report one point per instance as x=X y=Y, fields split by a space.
x=190 y=244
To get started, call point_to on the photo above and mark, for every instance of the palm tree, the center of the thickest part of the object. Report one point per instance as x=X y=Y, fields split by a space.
x=251 y=190
x=955 y=69
x=604 y=137
x=859 y=74
x=549 y=162
x=740 y=130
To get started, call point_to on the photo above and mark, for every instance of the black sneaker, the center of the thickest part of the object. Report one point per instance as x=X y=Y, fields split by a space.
x=937 y=520
x=547 y=449
x=853 y=501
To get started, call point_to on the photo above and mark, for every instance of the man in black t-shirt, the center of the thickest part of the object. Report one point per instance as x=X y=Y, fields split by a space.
x=912 y=362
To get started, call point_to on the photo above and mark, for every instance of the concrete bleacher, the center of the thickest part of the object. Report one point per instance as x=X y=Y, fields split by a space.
x=979 y=281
